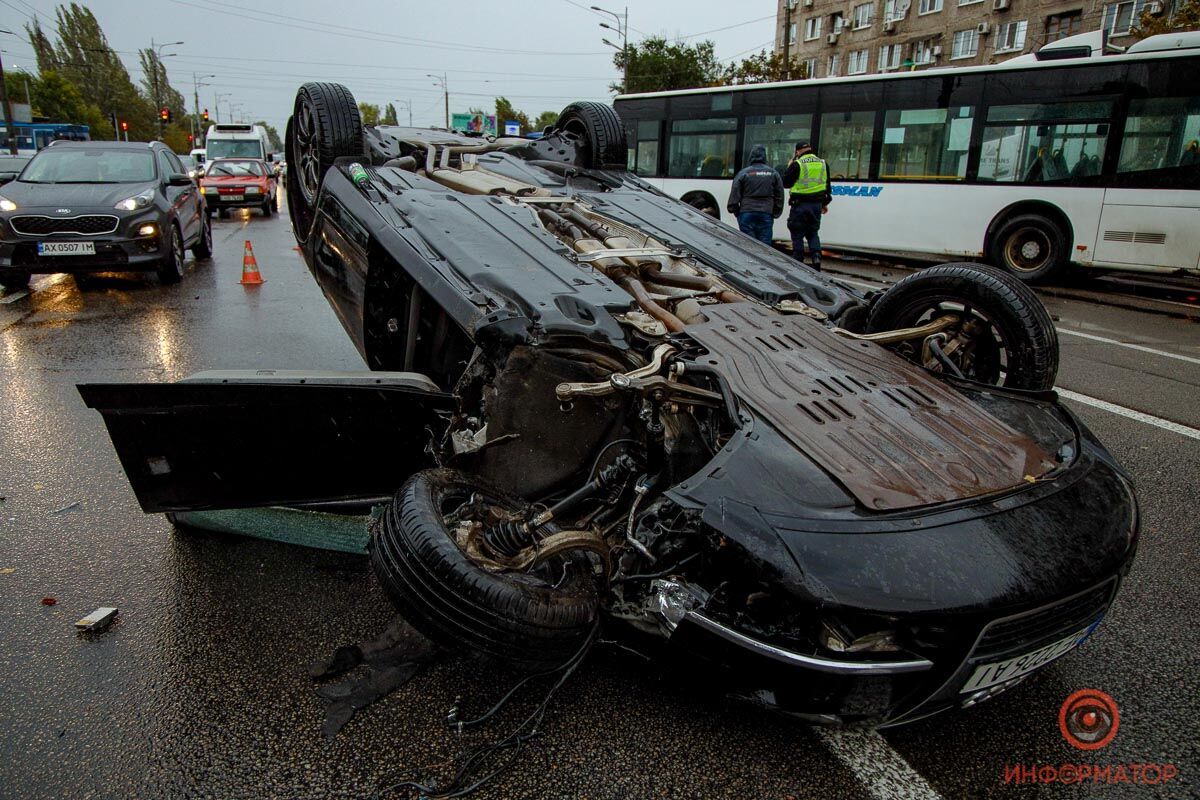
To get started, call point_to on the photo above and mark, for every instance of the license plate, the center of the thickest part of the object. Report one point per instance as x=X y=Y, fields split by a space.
x=231 y=197
x=987 y=675
x=66 y=248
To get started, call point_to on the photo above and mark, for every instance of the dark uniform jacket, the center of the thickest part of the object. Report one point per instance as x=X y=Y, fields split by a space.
x=757 y=187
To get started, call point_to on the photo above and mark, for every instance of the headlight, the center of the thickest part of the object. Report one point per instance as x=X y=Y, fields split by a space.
x=210 y=190
x=253 y=190
x=137 y=201
x=7 y=205
x=148 y=229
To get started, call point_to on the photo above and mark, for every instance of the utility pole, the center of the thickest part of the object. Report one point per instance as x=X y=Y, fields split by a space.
x=622 y=30
x=158 y=57
x=10 y=125
x=217 y=103
x=789 y=7
x=196 y=109
x=441 y=80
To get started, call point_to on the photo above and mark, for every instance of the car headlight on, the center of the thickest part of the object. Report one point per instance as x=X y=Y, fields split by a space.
x=253 y=190
x=210 y=190
x=149 y=229
x=137 y=201
x=7 y=205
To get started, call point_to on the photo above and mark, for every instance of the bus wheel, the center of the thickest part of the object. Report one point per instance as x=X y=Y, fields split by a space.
x=1030 y=246
x=702 y=201
x=1001 y=333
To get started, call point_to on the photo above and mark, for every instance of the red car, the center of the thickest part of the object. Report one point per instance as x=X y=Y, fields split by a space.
x=239 y=183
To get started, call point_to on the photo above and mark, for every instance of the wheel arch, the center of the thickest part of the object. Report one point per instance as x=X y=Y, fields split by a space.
x=695 y=195
x=1042 y=208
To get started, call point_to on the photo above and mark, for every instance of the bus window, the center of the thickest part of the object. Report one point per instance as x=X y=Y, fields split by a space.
x=702 y=148
x=926 y=144
x=779 y=134
x=846 y=143
x=644 y=159
x=1044 y=142
x=1161 y=132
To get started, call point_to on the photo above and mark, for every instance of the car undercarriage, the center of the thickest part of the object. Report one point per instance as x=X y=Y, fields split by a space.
x=603 y=407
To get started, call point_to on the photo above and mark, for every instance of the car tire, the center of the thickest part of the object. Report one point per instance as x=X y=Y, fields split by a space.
x=170 y=268
x=267 y=208
x=325 y=125
x=600 y=127
x=518 y=619
x=1029 y=246
x=15 y=280
x=1017 y=348
x=203 y=246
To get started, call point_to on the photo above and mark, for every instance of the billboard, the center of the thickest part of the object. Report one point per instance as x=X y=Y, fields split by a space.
x=480 y=123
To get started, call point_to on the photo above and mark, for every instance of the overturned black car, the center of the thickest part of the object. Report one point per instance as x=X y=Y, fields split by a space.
x=601 y=404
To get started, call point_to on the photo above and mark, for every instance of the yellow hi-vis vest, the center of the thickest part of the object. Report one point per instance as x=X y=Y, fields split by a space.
x=812 y=177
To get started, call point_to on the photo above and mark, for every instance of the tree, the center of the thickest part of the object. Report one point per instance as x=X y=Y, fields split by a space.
x=273 y=140
x=59 y=100
x=1186 y=17
x=369 y=113
x=763 y=67
x=545 y=120
x=156 y=87
x=83 y=57
x=656 y=65
x=506 y=113
x=389 y=115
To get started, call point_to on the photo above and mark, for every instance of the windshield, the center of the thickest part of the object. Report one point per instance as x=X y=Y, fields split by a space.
x=225 y=148
x=234 y=169
x=90 y=166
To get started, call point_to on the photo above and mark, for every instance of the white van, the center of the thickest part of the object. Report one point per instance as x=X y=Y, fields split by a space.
x=237 y=141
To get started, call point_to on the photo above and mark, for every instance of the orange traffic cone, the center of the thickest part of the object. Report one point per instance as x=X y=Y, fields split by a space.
x=250 y=274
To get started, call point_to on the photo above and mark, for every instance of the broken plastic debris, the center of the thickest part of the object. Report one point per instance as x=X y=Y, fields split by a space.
x=98 y=620
x=67 y=507
x=48 y=601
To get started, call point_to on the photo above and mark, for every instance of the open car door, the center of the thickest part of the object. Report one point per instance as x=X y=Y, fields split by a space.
x=268 y=437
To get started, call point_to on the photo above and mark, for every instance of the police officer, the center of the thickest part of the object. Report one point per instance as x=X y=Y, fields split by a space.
x=756 y=197
x=808 y=179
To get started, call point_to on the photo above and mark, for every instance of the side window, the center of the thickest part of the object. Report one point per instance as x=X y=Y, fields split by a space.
x=176 y=164
x=702 y=148
x=345 y=222
x=1044 y=142
x=779 y=134
x=645 y=159
x=846 y=143
x=926 y=144
x=1161 y=132
x=164 y=166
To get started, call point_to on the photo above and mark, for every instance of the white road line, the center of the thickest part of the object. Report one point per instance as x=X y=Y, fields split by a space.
x=1129 y=413
x=878 y=767
x=12 y=298
x=1130 y=345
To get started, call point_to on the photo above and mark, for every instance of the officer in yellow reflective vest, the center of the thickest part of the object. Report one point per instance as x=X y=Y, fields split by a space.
x=807 y=178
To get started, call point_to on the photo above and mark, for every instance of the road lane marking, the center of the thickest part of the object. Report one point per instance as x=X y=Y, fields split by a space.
x=881 y=770
x=1129 y=413
x=1130 y=345
x=12 y=298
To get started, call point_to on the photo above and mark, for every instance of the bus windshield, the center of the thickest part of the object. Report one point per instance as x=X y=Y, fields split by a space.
x=234 y=148
x=90 y=166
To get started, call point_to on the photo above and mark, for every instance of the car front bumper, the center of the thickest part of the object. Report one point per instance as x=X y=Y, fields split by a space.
x=123 y=249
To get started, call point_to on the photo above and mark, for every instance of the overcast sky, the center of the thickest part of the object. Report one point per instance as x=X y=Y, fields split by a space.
x=541 y=54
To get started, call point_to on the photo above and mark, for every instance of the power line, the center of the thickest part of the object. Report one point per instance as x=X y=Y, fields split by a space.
x=728 y=27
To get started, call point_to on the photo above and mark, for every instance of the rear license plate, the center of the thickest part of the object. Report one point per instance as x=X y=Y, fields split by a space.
x=232 y=197
x=66 y=248
x=987 y=675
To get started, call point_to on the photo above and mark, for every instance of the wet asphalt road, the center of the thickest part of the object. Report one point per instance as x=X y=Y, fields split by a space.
x=200 y=688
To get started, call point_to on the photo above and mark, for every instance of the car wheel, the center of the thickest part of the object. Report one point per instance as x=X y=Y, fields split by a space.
x=325 y=125
x=1029 y=246
x=14 y=280
x=267 y=208
x=532 y=619
x=1004 y=336
x=170 y=269
x=203 y=246
x=599 y=126
x=223 y=213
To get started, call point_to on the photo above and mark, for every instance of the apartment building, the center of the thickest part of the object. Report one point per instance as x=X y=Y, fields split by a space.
x=855 y=37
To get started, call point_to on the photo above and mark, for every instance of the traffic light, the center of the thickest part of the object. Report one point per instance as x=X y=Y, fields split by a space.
x=206 y=115
x=191 y=138
x=124 y=126
x=164 y=114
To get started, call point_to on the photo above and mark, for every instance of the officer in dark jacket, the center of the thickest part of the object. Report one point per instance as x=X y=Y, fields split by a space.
x=756 y=197
x=808 y=179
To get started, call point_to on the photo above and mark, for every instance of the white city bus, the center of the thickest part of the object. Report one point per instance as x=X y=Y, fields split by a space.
x=1066 y=156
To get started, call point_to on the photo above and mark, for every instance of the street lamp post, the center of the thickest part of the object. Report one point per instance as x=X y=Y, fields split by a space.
x=407 y=104
x=440 y=80
x=158 y=57
x=621 y=30
x=217 y=103
x=196 y=84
